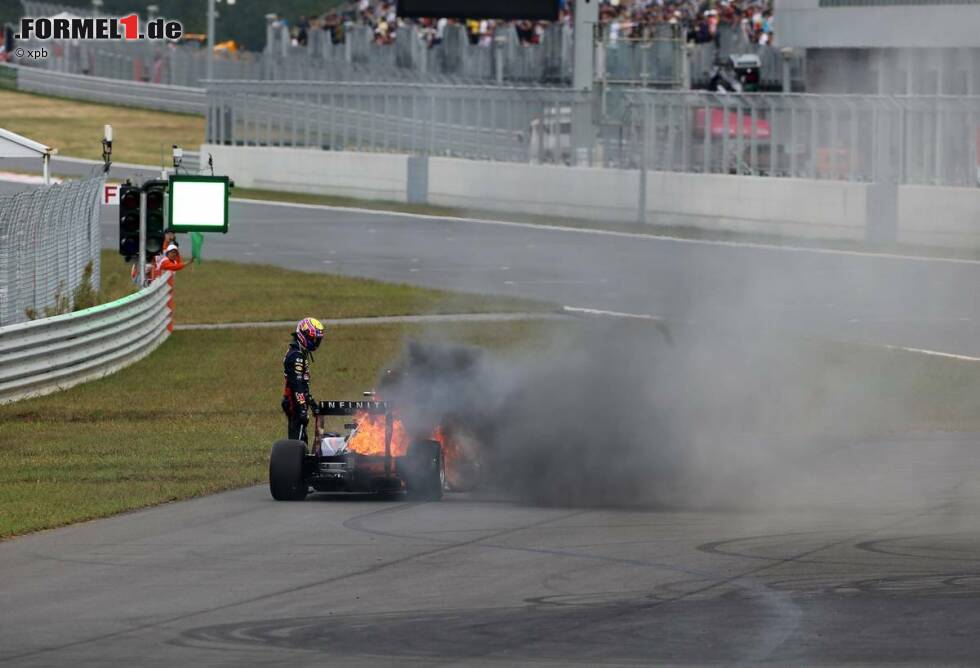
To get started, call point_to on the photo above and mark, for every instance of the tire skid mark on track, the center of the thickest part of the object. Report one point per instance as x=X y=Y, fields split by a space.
x=876 y=547
x=788 y=619
x=799 y=558
x=714 y=547
x=791 y=613
x=115 y=544
x=290 y=590
x=356 y=523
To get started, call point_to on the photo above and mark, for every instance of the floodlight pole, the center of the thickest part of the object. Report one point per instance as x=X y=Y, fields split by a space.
x=210 y=39
x=141 y=266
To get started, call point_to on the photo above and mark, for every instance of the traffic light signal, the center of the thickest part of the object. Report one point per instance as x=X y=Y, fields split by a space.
x=129 y=221
x=155 y=190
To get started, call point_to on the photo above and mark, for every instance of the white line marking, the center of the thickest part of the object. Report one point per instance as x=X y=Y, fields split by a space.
x=86 y=161
x=14 y=177
x=623 y=235
x=611 y=314
x=381 y=320
x=924 y=351
x=645 y=316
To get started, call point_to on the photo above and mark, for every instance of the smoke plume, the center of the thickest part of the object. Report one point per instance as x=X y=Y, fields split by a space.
x=616 y=414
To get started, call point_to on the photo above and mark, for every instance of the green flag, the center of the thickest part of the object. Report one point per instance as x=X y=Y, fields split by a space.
x=197 y=240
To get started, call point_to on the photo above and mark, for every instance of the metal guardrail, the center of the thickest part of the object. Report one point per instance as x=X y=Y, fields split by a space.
x=97 y=89
x=52 y=354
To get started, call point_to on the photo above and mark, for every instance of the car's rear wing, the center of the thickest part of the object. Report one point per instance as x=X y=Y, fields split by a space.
x=369 y=406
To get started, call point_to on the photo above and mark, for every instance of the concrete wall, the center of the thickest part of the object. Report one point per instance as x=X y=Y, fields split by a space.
x=381 y=176
x=576 y=192
x=939 y=216
x=805 y=208
x=790 y=207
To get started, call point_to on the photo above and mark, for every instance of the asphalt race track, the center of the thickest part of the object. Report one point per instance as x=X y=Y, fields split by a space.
x=870 y=553
x=923 y=303
x=885 y=568
x=894 y=300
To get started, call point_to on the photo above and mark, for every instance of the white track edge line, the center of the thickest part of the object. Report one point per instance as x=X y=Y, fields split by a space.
x=925 y=351
x=612 y=314
x=907 y=349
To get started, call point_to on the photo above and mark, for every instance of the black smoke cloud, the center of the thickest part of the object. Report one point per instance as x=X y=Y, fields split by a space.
x=612 y=415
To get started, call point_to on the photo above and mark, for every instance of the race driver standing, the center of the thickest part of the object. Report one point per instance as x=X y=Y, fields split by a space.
x=297 y=402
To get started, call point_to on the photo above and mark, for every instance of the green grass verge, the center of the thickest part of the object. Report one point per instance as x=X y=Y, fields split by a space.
x=89 y=452
x=105 y=447
x=75 y=128
x=216 y=291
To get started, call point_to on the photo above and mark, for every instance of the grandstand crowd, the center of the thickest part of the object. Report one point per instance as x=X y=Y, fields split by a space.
x=693 y=20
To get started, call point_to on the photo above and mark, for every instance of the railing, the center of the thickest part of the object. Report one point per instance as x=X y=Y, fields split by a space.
x=479 y=122
x=98 y=89
x=44 y=356
x=930 y=140
x=910 y=140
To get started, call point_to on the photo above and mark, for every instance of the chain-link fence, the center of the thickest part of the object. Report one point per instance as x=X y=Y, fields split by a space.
x=49 y=248
x=929 y=140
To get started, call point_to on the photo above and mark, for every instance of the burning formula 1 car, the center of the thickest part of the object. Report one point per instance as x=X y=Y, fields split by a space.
x=374 y=456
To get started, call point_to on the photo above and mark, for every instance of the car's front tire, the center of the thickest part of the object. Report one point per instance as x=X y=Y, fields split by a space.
x=286 y=482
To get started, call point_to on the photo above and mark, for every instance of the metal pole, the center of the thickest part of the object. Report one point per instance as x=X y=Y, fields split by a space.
x=784 y=60
x=647 y=131
x=586 y=17
x=142 y=256
x=583 y=78
x=210 y=39
x=47 y=172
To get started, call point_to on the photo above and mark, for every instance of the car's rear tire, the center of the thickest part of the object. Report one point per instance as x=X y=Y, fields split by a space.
x=427 y=473
x=286 y=480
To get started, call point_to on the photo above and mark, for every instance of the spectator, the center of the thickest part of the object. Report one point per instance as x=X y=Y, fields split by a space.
x=302 y=31
x=699 y=20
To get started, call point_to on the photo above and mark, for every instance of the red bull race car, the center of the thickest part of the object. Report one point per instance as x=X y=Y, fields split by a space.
x=368 y=458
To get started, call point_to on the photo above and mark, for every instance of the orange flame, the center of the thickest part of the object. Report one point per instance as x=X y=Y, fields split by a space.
x=370 y=436
x=369 y=439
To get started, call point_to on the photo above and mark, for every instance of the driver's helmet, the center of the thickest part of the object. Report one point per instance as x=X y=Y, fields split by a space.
x=309 y=333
